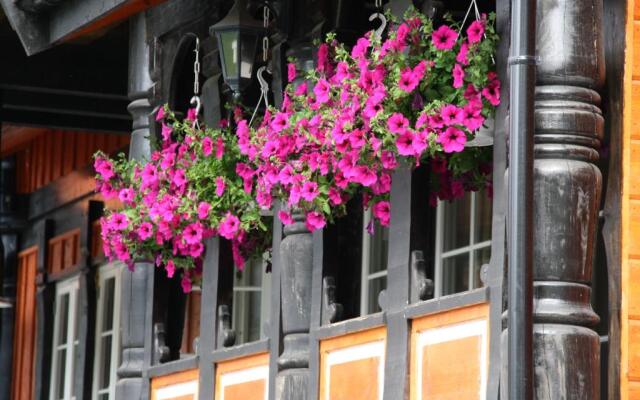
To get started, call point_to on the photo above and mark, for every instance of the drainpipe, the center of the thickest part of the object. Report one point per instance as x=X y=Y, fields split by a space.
x=519 y=222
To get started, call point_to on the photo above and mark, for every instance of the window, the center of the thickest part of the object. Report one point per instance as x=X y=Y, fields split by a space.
x=463 y=243
x=107 y=346
x=374 y=264
x=65 y=340
x=251 y=294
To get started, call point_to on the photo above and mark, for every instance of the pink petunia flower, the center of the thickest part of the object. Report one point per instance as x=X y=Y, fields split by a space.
x=322 y=91
x=219 y=148
x=462 y=54
x=397 y=123
x=119 y=221
x=451 y=115
x=170 y=267
x=473 y=118
x=160 y=114
x=127 y=195
x=185 y=282
x=408 y=80
x=191 y=114
x=309 y=191
x=285 y=217
x=382 y=211
x=179 y=178
x=207 y=146
x=145 y=231
x=193 y=233
x=444 y=38
x=404 y=143
x=291 y=72
x=280 y=122
x=220 y=186
x=203 y=209
x=475 y=31
x=314 y=221
x=229 y=226
x=458 y=76
x=452 y=140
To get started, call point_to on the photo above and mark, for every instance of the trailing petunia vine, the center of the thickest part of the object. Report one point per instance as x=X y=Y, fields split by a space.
x=417 y=97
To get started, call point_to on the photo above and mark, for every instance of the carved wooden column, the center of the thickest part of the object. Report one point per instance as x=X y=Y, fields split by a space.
x=137 y=285
x=296 y=255
x=567 y=185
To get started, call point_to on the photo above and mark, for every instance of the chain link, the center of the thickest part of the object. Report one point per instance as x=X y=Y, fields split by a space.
x=266 y=14
x=378 y=4
x=196 y=69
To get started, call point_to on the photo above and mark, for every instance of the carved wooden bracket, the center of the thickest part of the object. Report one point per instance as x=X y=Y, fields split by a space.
x=160 y=349
x=226 y=335
x=331 y=310
x=421 y=287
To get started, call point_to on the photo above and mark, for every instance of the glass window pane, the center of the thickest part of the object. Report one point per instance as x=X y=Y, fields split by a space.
x=63 y=321
x=480 y=257
x=103 y=396
x=455 y=274
x=379 y=248
x=230 y=52
x=246 y=316
x=105 y=365
x=248 y=50
x=108 y=304
x=255 y=272
x=455 y=223
x=60 y=370
x=376 y=286
x=483 y=217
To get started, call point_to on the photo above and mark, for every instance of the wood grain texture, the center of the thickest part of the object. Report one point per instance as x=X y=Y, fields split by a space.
x=173 y=379
x=236 y=391
x=25 y=327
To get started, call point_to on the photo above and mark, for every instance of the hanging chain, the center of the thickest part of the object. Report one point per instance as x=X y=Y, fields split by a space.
x=196 y=69
x=195 y=100
x=378 y=4
x=266 y=14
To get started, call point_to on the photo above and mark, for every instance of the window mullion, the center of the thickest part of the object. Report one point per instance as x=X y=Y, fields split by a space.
x=472 y=238
x=438 y=275
x=366 y=262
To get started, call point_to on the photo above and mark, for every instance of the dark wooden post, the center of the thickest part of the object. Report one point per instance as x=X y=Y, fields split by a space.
x=296 y=256
x=9 y=229
x=567 y=185
x=137 y=285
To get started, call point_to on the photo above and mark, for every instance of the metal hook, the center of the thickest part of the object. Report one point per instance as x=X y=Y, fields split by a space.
x=195 y=100
x=383 y=24
x=264 y=85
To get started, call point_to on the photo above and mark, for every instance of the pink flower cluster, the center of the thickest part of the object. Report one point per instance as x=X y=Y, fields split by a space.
x=367 y=109
x=166 y=216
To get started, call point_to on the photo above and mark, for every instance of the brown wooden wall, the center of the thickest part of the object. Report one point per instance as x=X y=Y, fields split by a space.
x=64 y=252
x=630 y=271
x=56 y=153
x=25 y=327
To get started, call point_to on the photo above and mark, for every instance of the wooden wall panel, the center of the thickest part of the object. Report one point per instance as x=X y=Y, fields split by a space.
x=630 y=230
x=64 y=252
x=25 y=327
x=178 y=386
x=191 y=322
x=449 y=354
x=244 y=378
x=352 y=366
x=56 y=153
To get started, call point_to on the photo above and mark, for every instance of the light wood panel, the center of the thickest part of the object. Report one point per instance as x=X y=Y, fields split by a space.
x=449 y=354
x=352 y=366
x=179 y=386
x=22 y=380
x=244 y=378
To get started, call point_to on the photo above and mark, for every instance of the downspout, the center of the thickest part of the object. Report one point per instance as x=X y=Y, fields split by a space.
x=520 y=203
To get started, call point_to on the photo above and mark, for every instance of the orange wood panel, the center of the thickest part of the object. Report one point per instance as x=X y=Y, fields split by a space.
x=33 y=173
x=81 y=150
x=634 y=180
x=96 y=240
x=634 y=229
x=68 y=152
x=634 y=349
x=634 y=289
x=634 y=390
x=231 y=392
x=22 y=380
x=450 y=369
x=636 y=50
x=64 y=252
x=46 y=159
x=192 y=322
x=173 y=379
x=358 y=378
x=56 y=150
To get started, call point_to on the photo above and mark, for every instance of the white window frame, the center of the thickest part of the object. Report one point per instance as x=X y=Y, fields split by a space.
x=265 y=296
x=70 y=287
x=470 y=248
x=105 y=272
x=366 y=277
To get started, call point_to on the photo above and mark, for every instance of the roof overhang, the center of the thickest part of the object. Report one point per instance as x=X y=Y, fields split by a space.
x=42 y=24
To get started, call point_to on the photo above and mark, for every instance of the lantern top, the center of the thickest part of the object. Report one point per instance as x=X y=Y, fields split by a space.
x=238 y=18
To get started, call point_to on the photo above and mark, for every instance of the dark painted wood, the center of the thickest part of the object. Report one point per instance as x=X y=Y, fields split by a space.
x=45 y=296
x=567 y=187
x=172 y=367
x=208 y=330
x=275 y=316
x=614 y=19
x=349 y=326
x=451 y=302
x=137 y=285
x=241 y=350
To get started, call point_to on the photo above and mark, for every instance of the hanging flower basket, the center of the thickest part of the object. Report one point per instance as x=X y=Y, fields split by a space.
x=417 y=97
x=420 y=95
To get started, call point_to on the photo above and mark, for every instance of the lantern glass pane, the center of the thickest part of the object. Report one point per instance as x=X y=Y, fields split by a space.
x=229 y=42
x=248 y=53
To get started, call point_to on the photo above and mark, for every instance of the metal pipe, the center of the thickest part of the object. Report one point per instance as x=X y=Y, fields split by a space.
x=520 y=255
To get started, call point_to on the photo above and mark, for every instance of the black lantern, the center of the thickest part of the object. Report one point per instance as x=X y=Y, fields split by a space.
x=238 y=34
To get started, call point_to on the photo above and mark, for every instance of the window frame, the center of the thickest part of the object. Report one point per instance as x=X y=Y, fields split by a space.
x=69 y=287
x=265 y=295
x=366 y=276
x=106 y=272
x=468 y=249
